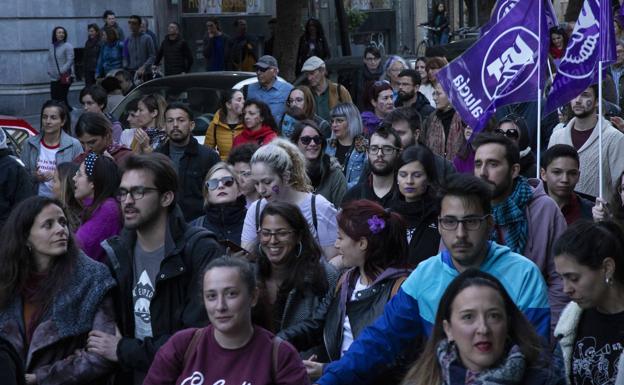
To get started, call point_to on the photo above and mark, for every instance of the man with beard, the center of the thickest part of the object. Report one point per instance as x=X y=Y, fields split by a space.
x=582 y=134
x=383 y=152
x=191 y=159
x=327 y=94
x=409 y=82
x=157 y=261
x=526 y=219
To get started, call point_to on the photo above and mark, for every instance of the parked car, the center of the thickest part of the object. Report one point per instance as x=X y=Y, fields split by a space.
x=201 y=91
x=17 y=131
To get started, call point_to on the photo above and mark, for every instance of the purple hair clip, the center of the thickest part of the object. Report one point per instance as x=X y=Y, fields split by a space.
x=376 y=224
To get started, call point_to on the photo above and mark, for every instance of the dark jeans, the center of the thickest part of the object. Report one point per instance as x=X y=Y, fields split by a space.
x=59 y=92
x=89 y=78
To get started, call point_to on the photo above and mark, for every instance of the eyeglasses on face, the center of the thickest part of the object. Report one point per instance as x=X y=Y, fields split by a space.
x=260 y=69
x=281 y=235
x=213 y=184
x=386 y=150
x=137 y=192
x=295 y=100
x=470 y=223
x=305 y=140
x=512 y=133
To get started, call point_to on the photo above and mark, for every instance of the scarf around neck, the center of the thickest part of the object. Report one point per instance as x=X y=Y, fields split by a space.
x=510 y=371
x=510 y=214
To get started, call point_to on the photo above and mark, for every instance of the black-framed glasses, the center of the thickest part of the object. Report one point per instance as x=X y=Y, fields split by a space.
x=386 y=150
x=137 y=192
x=512 y=133
x=281 y=235
x=470 y=223
x=213 y=184
x=305 y=140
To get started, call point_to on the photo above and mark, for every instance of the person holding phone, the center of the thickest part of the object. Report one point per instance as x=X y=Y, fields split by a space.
x=224 y=205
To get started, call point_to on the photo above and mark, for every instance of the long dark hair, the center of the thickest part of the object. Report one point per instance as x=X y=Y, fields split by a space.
x=63 y=113
x=54 y=34
x=615 y=203
x=265 y=113
x=426 y=370
x=318 y=170
x=386 y=248
x=320 y=33
x=226 y=97
x=306 y=264
x=16 y=260
x=65 y=172
x=106 y=179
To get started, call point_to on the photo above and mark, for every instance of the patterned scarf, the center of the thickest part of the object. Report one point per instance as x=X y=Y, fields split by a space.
x=510 y=371
x=510 y=214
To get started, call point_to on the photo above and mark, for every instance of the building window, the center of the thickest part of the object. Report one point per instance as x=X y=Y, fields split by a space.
x=222 y=6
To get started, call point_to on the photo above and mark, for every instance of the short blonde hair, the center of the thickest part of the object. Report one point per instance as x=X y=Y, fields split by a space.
x=283 y=156
x=211 y=172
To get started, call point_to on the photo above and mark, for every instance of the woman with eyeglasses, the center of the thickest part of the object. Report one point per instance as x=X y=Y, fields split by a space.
x=372 y=243
x=444 y=129
x=279 y=172
x=295 y=280
x=589 y=257
x=515 y=128
x=224 y=203
x=481 y=337
x=347 y=142
x=259 y=126
x=227 y=123
x=392 y=68
x=379 y=102
x=416 y=201
x=300 y=106
x=324 y=171
x=95 y=186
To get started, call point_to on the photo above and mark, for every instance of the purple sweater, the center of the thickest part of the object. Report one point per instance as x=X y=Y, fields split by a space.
x=211 y=364
x=104 y=223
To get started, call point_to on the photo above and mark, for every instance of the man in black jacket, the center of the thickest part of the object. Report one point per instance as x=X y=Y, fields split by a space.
x=409 y=82
x=157 y=262
x=15 y=182
x=191 y=159
x=176 y=51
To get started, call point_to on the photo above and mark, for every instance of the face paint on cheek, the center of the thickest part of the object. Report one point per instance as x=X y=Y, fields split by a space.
x=276 y=190
x=588 y=103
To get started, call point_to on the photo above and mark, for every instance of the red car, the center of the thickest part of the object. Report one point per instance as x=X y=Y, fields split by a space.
x=17 y=131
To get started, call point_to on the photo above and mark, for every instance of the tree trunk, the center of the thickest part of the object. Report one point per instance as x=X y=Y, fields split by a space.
x=287 y=37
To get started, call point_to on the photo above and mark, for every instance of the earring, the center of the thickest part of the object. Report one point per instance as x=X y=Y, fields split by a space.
x=29 y=247
x=260 y=253
x=300 y=250
x=609 y=281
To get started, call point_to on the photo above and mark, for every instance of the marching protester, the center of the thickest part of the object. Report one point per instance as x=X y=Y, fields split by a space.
x=327 y=94
x=300 y=106
x=95 y=133
x=221 y=352
x=227 y=123
x=444 y=129
x=379 y=102
x=259 y=127
x=347 y=143
x=393 y=66
x=240 y=159
x=149 y=132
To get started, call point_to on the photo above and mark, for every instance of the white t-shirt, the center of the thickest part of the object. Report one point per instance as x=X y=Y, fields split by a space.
x=46 y=163
x=325 y=218
x=347 y=333
x=126 y=137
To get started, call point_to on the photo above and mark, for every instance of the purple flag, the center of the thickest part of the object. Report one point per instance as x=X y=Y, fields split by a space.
x=592 y=40
x=502 y=8
x=500 y=68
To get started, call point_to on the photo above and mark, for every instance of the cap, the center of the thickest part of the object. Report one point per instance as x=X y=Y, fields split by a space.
x=266 y=61
x=3 y=139
x=313 y=63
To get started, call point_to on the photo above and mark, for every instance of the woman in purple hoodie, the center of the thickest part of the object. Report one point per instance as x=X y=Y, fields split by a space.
x=96 y=183
x=378 y=103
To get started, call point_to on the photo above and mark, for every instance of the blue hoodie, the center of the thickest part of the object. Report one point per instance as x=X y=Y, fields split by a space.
x=412 y=311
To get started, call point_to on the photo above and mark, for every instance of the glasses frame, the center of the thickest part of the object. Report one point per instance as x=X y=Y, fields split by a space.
x=464 y=221
x=227 y=181
x=280 y=235
x=306 y=140
x=120 y=196
x=383 y=149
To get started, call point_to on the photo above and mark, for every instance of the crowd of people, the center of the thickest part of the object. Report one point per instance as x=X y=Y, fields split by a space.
x=322 y=233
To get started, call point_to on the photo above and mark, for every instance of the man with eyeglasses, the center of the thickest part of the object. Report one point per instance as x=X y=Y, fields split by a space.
x=526 y=219
x=192 y=160
x=370 y=71
x=383 y=151
x=327 y=94
x=269 y=88
x=464 y=224
x=157 y=262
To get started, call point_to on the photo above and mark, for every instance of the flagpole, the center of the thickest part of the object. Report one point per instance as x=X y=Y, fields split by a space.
x=539 y=87
x=600 y=176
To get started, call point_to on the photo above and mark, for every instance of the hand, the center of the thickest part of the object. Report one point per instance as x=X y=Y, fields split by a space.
x=31 y=379
x=337 y=262
x=313 y=368
x=140 y=71
x=600 y=211
x=44 y=176
x=236 y=254
x=107 y=154
x=141 y=137
x=104 y=344
x=154 y=68
x=617 y=122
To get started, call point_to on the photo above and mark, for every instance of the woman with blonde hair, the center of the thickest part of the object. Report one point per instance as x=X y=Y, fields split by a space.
x=279 y=171
x=150 y=119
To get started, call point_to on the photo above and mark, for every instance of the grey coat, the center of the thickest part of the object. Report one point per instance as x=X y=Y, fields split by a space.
x=69 y=148
x=65 y=58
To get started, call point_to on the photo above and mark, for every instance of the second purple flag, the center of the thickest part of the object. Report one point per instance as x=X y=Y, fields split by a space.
x=500 y=68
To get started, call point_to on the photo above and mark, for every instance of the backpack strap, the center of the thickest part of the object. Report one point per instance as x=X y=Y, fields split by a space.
x=397 y=285
x=194 y=234
x=197 y=335
x=276 y=342
x=314 y=219
x=258 y=213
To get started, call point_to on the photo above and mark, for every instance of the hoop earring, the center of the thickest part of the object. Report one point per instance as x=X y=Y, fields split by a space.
x=609 y=281
x=300 y=250
x=29 y=247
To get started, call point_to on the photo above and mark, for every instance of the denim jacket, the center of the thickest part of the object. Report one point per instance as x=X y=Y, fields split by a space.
x=355 y=160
